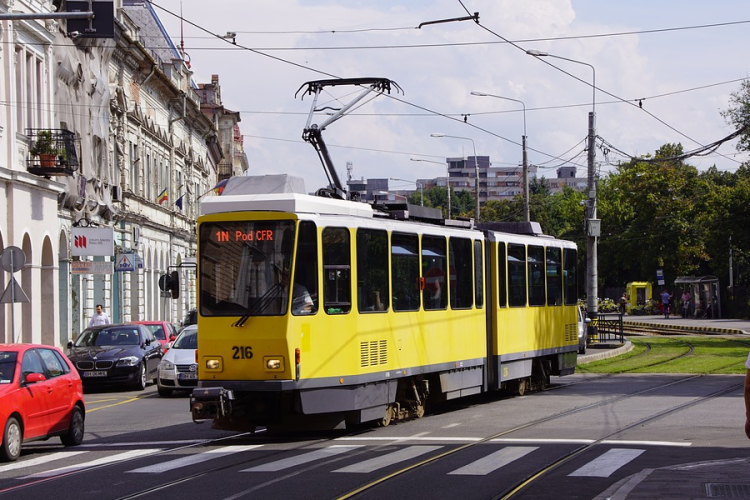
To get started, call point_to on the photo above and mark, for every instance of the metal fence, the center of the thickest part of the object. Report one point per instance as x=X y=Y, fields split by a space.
x=608 y=329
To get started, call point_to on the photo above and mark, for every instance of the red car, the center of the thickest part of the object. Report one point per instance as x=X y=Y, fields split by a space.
x=40 y=396
x=164 y=331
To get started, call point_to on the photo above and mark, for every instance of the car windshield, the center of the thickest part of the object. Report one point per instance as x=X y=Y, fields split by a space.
x=7 y=366
x=158 y=331
x=188 y=339
x=124 y=335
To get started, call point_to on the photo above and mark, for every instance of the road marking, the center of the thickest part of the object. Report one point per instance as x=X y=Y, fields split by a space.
x=101 y=461
x=386 y=460
x=39 y=460
x=286 y=463
x=494 y=461
x=193 y=459
x=607 y=463
x=451 y=425
x=130 y=400
x=515 y=440
x=142 y=443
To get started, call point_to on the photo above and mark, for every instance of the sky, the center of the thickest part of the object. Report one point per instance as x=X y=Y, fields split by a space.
x=681 y=58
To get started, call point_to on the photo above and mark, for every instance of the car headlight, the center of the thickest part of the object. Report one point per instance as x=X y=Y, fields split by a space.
x=128 y=361
x=166 y=365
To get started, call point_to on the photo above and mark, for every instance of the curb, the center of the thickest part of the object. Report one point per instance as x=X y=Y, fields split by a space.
x=609 y=352
x=701 y=329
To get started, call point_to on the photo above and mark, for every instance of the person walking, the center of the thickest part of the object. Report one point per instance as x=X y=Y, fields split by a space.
x=100 y=317
x=666 y=298
x=686 y=297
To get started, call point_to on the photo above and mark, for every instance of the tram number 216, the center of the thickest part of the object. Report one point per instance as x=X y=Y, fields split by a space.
x=242 y=352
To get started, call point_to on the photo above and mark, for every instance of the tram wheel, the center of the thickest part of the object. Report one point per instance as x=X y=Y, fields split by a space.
x=386 y=420
x=419 y=411
x=519 y=386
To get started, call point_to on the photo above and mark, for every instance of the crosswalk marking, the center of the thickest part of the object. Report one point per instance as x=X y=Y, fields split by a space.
x=376 y=463
x=286 y=463
x=607 y=463
x=39 y=460
x=494 y=461
x=193 y=459
x=101 y=461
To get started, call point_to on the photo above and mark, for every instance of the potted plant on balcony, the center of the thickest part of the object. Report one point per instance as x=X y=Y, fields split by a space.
x=44 y=148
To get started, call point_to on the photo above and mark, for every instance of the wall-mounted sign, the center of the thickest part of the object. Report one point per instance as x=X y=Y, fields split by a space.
x=90 y=267
x=92 y=241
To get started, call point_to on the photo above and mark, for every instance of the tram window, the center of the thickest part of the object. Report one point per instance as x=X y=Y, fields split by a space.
x=536 y=275
x=461 y=274
x=372 y=270
x=434 y=266
x=478 y=274
x=502 y=294
x=305 y=285
x=337 y=289
x=554 y=277
x=570 y=278
x=516 y=275
x=405 y=271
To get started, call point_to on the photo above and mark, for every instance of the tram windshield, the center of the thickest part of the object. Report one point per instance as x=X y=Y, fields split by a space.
x=245 y=267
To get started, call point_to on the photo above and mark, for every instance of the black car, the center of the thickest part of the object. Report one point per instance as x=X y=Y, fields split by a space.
x=125 y=354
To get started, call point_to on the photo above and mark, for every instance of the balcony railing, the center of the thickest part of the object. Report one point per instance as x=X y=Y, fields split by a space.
x=52 y=152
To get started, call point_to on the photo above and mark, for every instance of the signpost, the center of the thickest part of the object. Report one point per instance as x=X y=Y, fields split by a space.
x=12 y=259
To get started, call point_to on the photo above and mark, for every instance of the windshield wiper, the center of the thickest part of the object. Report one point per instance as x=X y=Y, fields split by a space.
x=262 y=304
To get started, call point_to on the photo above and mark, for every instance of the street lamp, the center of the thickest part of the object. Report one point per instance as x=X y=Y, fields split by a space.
x=476 y=165
x=592 y=226
x=526 y=213
x=419 y=185
x=447 y=180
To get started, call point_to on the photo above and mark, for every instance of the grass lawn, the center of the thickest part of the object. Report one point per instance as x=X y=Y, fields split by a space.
x=673 y=355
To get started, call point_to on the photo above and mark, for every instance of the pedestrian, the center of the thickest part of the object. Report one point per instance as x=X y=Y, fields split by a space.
x=666 y=297
x=747 y=397
x=100 y=317
x=686 y=297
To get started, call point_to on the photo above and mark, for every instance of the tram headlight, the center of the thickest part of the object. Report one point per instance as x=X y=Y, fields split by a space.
x=274 y=363
x=213 y=364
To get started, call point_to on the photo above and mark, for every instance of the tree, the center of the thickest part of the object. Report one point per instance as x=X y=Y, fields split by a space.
x=738 y=114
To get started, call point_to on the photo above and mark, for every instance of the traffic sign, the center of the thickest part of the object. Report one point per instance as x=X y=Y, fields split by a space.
x=12 y=259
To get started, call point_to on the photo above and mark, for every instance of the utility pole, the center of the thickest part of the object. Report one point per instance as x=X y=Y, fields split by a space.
x=526 y=211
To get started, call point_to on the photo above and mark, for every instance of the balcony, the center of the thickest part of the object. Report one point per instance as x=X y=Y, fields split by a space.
x=52 y=152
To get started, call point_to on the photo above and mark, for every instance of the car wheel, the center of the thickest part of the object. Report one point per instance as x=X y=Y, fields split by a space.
x=12 y=437
x=74 y=436
x=582 y=349
x=140 y=383
x=164 y=392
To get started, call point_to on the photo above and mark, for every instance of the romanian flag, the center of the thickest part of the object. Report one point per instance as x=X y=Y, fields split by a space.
x=162 y=197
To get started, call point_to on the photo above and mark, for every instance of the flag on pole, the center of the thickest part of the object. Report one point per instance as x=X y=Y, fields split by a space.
x=162 y=197
x=219 y=187
x=178 y=203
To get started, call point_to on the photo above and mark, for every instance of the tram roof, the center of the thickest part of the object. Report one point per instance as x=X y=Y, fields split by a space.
x=285 y=202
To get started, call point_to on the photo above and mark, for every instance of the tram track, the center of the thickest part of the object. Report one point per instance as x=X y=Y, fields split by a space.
x=609 y=401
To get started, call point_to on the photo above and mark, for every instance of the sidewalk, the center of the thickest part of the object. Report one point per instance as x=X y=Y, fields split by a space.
x=706 y=326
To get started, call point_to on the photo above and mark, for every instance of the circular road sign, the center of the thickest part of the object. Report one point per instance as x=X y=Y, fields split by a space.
x=12 y=259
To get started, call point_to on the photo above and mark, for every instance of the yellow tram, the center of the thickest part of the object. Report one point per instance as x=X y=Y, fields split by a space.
x=315 y=311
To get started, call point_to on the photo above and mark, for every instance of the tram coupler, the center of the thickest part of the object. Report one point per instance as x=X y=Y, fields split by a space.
x=210 y=403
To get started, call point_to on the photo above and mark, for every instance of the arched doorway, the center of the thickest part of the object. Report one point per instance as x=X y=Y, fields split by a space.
x=47 y=289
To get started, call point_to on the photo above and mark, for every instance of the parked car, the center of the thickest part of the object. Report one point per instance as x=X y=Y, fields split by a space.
x=191 y=318
x=164 y=332
x=583 y=322
x=127 y=354
x=178 y=368
x=40 y=396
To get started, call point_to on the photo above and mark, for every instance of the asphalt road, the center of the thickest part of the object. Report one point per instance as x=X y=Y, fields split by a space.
x=575 y=440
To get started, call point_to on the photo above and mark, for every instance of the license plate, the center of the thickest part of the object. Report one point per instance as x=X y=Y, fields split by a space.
x=95 y=374
x=187 y=376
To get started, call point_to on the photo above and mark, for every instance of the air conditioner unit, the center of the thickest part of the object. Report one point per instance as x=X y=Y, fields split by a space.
x=116 y=193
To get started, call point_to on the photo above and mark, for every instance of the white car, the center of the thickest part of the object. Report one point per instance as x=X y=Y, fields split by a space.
x=583 y=323
x=178 y=369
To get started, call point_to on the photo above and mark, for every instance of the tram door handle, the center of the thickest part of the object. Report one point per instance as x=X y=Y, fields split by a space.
x=420 y=283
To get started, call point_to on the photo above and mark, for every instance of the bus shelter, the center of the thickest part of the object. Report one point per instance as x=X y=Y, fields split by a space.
x=705 y=293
